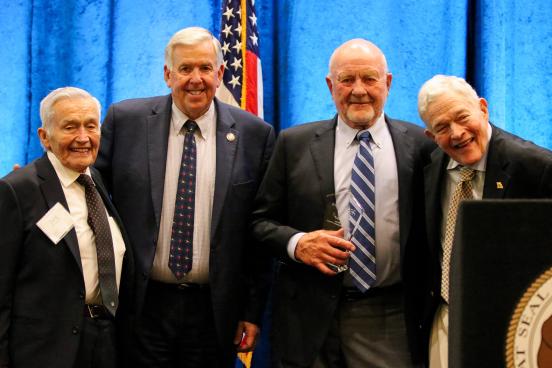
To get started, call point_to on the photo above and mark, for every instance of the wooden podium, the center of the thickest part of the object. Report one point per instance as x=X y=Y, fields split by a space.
x=500 y=259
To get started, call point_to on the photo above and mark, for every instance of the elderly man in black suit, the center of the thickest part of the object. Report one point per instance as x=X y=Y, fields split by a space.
x=183 y=170
x=363 y=170
x=62 y=249
x=475 y=160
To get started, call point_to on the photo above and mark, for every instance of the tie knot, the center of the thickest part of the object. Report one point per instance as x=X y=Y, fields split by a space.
x=190 y=126
x=466 y=174
x=364 y=136
x=85 y=180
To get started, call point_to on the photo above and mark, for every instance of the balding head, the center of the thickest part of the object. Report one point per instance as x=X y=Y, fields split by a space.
x=359 y=81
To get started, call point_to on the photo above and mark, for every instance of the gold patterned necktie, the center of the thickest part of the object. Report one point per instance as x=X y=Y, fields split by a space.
x=462 y=191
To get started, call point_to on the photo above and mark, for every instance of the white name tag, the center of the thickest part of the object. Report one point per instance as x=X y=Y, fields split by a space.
x=56 y=223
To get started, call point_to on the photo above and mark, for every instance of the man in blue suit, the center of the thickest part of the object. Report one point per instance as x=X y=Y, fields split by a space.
x=183 y=170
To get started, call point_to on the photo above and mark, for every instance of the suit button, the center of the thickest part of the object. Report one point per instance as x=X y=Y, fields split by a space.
x=333 y=296
x=81 y=295
x=145 y=274
x=75 y=330
x=431 y=293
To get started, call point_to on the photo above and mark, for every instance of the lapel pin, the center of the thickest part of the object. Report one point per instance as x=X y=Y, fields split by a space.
x=230 y=137
x=499 y=185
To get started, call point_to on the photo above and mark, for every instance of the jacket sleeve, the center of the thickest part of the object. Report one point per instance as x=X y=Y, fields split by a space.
x=11 y=230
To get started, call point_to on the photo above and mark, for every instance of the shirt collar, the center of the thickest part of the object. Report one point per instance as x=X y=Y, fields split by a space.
x=480 y=165
x=66 y=175
x=348 y=134
x=205 y=122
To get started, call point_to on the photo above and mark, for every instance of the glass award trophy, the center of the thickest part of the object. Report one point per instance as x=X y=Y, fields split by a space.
x=331 y=222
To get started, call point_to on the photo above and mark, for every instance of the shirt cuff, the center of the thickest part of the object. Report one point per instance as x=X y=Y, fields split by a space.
x=292 y=244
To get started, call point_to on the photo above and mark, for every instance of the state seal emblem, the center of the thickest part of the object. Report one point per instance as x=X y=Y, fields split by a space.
x=529 y=338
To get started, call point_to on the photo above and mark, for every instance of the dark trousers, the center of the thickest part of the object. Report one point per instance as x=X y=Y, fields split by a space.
x=176 y=330
x=97 y=347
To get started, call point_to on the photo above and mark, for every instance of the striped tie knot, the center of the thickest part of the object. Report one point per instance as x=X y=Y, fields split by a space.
x=364 y=136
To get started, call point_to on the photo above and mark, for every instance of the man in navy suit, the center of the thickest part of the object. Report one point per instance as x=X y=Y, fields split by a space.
x=195 y=316
x=500 y=164
x=321 y=318
x=59 y=287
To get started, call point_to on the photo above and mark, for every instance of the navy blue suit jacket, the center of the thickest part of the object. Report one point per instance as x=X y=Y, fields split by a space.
x=132 y=161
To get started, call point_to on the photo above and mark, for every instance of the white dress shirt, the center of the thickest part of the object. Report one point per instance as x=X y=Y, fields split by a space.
x=205 y=138
x=74 y=195
x=387 y=195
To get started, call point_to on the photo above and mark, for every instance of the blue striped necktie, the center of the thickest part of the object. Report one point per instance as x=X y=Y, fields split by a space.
x=362 y=206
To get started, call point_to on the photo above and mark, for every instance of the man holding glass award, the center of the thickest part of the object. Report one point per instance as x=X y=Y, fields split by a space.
x=341 y=206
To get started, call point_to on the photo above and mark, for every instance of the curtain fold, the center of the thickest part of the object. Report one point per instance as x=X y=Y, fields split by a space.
x=114 y=49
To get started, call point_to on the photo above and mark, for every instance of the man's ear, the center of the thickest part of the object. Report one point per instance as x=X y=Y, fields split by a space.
x=329 y=83
x=484 y=107
x=43 y=136
x=167 y=75
x=429 y=134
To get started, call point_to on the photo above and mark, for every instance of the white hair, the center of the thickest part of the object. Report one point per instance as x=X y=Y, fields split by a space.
x=440 y=85
x=47 y=103
x=192 y=36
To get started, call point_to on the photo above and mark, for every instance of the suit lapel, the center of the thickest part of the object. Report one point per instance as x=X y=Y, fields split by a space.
x=433 y=182
x=158 y=125
x=322 y=149
x=497 y=178
x=227 y=140
x=53 y=193
x=404 y=146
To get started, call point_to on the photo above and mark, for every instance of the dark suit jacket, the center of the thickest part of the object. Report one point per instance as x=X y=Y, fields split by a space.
x=525 y=171
x=292 y=199
x=41 y=284
x=132 y=159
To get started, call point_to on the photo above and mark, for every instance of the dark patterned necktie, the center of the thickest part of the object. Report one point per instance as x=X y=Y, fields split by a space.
x=182 y=235
x=362 y=217
x=97 y=219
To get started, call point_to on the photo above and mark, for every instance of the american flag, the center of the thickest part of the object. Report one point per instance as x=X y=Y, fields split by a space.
x=239 y=37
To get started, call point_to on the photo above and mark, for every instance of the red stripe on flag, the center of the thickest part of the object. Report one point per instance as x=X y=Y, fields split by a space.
x=251 y=93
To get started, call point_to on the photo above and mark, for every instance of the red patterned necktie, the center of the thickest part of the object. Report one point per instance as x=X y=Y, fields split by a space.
x=182 y=235
x=97 y=219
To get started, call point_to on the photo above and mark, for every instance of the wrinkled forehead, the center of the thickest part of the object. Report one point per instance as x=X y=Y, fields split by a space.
x=360 y=71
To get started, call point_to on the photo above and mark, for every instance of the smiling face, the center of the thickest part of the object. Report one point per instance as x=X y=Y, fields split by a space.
x=194 y=77
x=459 y=126
x=359 y=83
x=73 y=134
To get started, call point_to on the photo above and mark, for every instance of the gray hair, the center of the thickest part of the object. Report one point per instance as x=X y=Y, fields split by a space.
x=47 y=103
x=440 y=85
x=192 y=36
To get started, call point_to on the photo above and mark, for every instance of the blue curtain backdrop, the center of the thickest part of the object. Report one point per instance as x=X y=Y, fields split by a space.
x=114 y=49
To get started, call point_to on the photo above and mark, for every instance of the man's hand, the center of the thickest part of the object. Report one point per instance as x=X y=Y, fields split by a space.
x=246 y=336
x=323 y=246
